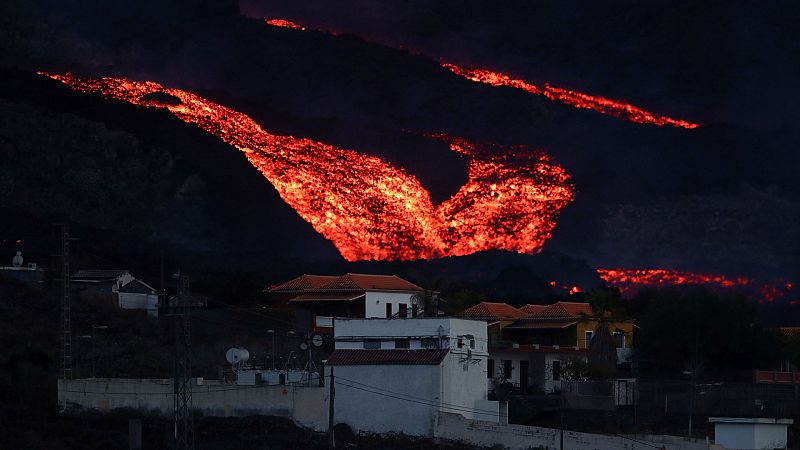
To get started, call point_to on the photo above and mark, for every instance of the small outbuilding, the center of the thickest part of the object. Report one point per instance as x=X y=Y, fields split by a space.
x=750 y=433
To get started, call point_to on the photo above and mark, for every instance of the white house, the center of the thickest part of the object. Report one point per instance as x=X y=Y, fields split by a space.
x=317 y=299
x=396 y=375
x=739 y=433
x=138 y=295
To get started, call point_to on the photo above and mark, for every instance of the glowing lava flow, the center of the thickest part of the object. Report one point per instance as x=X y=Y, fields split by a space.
x=368 y=208
x=602 y=105
x=573 y=98
x=627 y=278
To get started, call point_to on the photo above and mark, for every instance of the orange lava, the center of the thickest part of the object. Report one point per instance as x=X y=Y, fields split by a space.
x=627 y=278
x=368 y=208
x=573 y=98
x=285 y=24
x=577 y=99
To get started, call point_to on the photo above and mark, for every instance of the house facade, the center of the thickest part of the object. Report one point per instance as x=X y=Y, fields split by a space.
x=537 y=346
x=396 y=375
x=317 y=299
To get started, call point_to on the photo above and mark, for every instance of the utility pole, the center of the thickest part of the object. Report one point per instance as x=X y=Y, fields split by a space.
x=332 y=394
x=182 y=381
x=66 y=320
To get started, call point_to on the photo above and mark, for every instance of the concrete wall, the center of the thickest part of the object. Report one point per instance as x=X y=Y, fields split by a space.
x=375 y=303
x=520 y=437
x=385 y=399
x=307 y=406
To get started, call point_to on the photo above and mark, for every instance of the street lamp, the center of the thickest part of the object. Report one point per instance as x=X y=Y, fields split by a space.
x=691 y=398
x=272 y=332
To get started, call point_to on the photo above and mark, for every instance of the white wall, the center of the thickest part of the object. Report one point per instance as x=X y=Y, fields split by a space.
x=130 y=300
x=749 y=434
x=520 y=437
x=387 y=399
x=460 y=379
x=375 y=303
x=307 y=406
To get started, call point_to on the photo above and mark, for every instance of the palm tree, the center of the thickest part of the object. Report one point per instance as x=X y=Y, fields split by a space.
x=427 y=302
x=602 y=355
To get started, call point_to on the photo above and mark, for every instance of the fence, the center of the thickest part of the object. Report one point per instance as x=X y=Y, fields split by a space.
x=673 y=397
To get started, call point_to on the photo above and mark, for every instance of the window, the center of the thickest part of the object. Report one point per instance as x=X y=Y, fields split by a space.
x=403 y=313
x=372 y=344
x=490 y=369
x=472 y=344
x=402 y=343
x=460 y=342
x=414 y=310
x=388 y=310
x=589 y=335
x=556 y=370
x=430 y=343
x=507 y=369
x=619 y=339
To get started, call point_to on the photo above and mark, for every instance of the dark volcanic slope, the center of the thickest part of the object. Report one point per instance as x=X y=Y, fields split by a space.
x=646 y=196
x=138 y=180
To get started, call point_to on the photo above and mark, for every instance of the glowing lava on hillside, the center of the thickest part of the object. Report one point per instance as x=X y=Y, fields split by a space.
x=626 y=278
x=630 y=279
x=368 y=208
x=602 y=105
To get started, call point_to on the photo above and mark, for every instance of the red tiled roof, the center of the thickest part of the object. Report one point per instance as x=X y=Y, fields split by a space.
x=523 y=324
x=357 y=281
x=571 y=310
x=386 y=357
x=327 y=297
x=530 y=310
x=304 y=282
x=493 y=310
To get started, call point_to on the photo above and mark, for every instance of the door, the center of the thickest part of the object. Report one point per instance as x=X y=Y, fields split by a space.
x=523 y=375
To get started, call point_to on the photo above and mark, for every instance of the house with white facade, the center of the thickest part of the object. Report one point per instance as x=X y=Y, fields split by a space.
x=117 y=285
x=138 y=295
x=397 y=375
x=318 y=299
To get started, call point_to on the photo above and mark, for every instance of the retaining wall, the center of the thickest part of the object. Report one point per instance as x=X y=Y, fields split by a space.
x=305 y=405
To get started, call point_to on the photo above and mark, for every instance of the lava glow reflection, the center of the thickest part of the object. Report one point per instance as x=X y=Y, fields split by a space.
x=368 y=208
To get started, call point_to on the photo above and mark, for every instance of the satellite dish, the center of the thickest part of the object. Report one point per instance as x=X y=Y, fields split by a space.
x=303 y=346
x=237 y=355
x=317 y=340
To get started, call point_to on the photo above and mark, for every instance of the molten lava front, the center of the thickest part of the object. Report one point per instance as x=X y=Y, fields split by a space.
x=630 y=279
x=368 y=208
x=627 y=278
x=573 y=98
x=602 y=105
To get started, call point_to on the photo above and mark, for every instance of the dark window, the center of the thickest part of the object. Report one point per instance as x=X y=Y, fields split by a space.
x=402 y=343
x=430 y=343
x=619 y=339
x=388 y=310
x=372 y=344
x=472 y=344
x=556 y=370
x=403 y=313
x=460 y=342
x=414 y=310
x=490 y=369
x=507 y=369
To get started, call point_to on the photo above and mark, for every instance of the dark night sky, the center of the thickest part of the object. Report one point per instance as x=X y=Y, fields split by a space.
x=720 y=198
